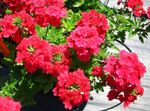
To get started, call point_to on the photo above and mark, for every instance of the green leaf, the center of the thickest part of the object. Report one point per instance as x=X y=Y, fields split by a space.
x=141 y=39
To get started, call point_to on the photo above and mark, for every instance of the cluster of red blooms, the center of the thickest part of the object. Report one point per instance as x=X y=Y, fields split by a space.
x=36 y=53
x=136 y=6
x=88 y=35
x=59 y=61
x=124 y=74
x=72 y=88
x=32 y=52
x=17 y=25
x=45 y=12
x=27 y=13
x=8 y=104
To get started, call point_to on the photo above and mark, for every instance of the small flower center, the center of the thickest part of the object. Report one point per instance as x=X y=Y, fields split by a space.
x=134 y=92
x=7 y=11
x=31 y=49
x=17 y=21
x=74 y=87
x=57 y=57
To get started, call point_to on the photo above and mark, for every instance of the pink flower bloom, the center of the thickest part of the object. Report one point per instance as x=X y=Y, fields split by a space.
x=86 y=42
x=124 y=74
x=8 y=104
x=93 y=18
x=72 y=88
x=148 y=12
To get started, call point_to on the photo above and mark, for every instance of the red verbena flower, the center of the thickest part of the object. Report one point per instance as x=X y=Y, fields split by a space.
x=138 y=12
x=127 y=67
x=8 y=104
x=45 y=12
x=72 y=88
x=50 y=15
x=16 y=5
x=33 y=52
x=113 y=94
x=124 y=74
x=98 y=71
x=148 y=12
x=136 y=6
x=59 y=61
x=86 y=42
x=93 y=18
x=134 y=3
x=17 y=25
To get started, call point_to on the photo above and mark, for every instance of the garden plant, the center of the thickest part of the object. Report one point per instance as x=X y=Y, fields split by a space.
x=65 y=47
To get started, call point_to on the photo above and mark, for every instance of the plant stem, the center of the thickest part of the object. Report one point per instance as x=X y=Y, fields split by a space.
x=106 y=3
x=47 y=28
x=111 y=107
x=124 y=45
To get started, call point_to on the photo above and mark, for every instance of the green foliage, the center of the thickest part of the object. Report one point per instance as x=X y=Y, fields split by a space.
x=69 y=22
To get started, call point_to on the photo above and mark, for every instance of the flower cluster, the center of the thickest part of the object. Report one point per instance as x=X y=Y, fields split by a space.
x=36 y=53
x=8 y=104
x=72 y=88
x=89 y=35
x=93 y=18
x=136 y=6
x=59 y=61
x=45 y=12
x=17 y=26
x=124 y=74
x=86 y=41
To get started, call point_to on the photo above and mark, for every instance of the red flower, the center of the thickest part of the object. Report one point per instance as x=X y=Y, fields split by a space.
x=8 y=104
x=50 y=15
x=138 y=12
x=72 y=88
x=17 y=25
x=86 y=42
x=59 y=61
x=124 y=74
x=97 y=71
x=33 y=52
x=148 y=12
x=7 y=26
x=45 y=12
x=136 y=6
x=134 y=3
x=93 y=18
x=113 y=94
